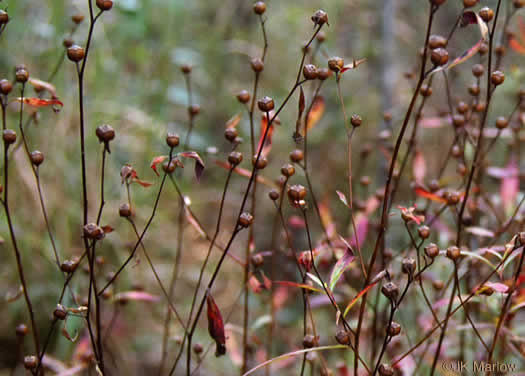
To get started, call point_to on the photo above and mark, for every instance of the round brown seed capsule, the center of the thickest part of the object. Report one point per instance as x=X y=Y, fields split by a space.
x=235 y=158
x=386 y=370
x=323 y=73
x=5 y=86
x=497 y=78
x=478 y=70
x=21 y=75
x=343 y=337
x=390 y=290
x=423 y=232
x=257 y=260
x=230 y=134
x=288 y=170
x=439 y=56
x=77 y=18
x=296 y=192
x=518 y=3
x=320 y=17
x=484 y=48
x=365 y=181
x=105 y=133
x=92 y=231
x=469 y=3
x=21 y=330
x=75 y=53
x=104 y=5
x=186 y=68
x=259 y=7
x=296 y=156
x=68 y=266
x=453 y=252
x=4 y=17
x=67 y=42
x=194 y=110
x=274 y=195
x=394 y=329
x=198 y=349
x=261 y=163
x=9 y=136
x=30 y=362
x=124 y=210
x=310 y=72
x=408 y=266
x=321 y=37
x=245 y=219
x=60 y=312
x=438 y=284
x=257 y=64
x=432 y=250
x=37 y=157
x=172 y=139
x=437 y=41
x=502 y=122
x=309 y=341
x=243 y=96
x=453 y=198
x=266 y=104
x=486 y=14
x=462 y=107
x=425 y=91
x=169 y=167
x=474 y=90
x=458 y=120
x=356 y=120
x=336 y=63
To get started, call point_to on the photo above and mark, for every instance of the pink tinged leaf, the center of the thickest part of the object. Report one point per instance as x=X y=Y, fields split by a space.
x=141 y=296
x=156 y=161
x=354 y=64
x=342 y=197
x=361 y=293
x=510 y=185
x=216 y=326
x=434 y=122
x=362 y=226
x=341 y=265
x=267 y=283
x=299 y=285
x=295 y=222
x=480 y=231
x=419 y=167
x=40 y=86
x=255 y=285
x=199 y=164
x=498 y=287
x=234 y=121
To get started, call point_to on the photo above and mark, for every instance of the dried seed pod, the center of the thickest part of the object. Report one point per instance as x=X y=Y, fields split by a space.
x=259 y=7
x=5 y=86
x=77 y=18
x=453 y=252
x=68 y=266
x=4 y=17
x=30 y=362
x=423 y=232
x=194 y=110
x=462 y=107
x=478 y=70
x=257 y=65
x=105 y=133
x=296 y=192
x=458 y=120
x=92 y=231
x=408 y=266
x=67 y=42
x=336 y=63
x=323 y=73
x=425 y=90
x=21 y=75
x=243 y=96
x=9 y=136
x=310 y=72
x=37 y=157
x=390 y=290
x=274 y=195
x=104 y=5
x=518 y=3
x=474 y=90
x=172 y=139
x=394 y=329
x=343 y=337
x=386 y=370
x=186 y=68
x=521 y=238
x=497 y=78
x=486 y=14
x=288 y=170
x=230 y=134
x=198 y=349
x=438 y=284
x=235 y=158
x=245 y=219
x=432 y=250
x=75 y=53
x=124 y=210
x=296 y=156
x=356 y=120
x=453 y=198
x=469 y=3
x=309 y=341
x=502 y=122
x=60 y=312
x=439 y=57
x=320 y=17
x=266 y=104
x=437 y=41
x=365 y=181
x=169 y=167
x=21 y=330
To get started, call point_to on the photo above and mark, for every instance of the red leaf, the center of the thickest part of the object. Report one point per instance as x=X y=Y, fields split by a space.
x=143 y=183
x=254 y=284
x=37 y=102
x=199 y=164
x=422 y=192
x=354 y=64
x=315 y=114
x=516 y=46
x=156 y=161
x=216 y=326
x=268 y=141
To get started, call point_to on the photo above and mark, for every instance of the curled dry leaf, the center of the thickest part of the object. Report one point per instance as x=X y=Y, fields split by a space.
x=354 y=64
x=341 y=265
x=156 y=161
x=244 y=172
x=315 y=114
x=216 y=326
x=267 y=146
x=66 y=334
x=199 y=164
x=234 y=121
x=419 y=167
x=40 y=85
